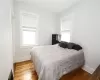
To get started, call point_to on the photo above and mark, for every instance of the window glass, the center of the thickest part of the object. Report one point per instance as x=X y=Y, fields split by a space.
x=28 y=38
x=28 y=29
x=65 y=36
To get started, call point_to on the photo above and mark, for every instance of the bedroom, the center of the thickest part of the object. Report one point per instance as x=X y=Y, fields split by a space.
x=33 y=39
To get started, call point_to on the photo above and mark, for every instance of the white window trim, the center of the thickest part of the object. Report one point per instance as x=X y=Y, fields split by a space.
x=65 y=30
x=27 y=46
x=64 y=18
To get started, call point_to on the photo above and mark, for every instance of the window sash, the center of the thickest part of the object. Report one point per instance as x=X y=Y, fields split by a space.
x=29 y=29
x=67 y=33
x=65 y=30
x=30 y=38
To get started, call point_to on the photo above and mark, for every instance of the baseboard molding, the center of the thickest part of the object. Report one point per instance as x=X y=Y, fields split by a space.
x=24 y=58
x=20 y=59
x=88 y=69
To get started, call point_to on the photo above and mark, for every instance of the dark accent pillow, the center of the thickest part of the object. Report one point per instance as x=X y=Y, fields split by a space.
x=63 y=44
x=77 y=47
x=70 y=45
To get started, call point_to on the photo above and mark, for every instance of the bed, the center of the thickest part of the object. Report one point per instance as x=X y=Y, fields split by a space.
x=52 y=62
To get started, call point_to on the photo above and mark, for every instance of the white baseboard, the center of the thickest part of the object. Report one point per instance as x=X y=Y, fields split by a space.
x=88 y=69
x=20 y=59
x=24 y=58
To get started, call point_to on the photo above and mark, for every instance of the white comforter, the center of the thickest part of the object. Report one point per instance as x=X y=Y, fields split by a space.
x=52 y=62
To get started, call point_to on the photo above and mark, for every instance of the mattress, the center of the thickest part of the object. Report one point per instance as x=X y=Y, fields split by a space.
x=52 y=62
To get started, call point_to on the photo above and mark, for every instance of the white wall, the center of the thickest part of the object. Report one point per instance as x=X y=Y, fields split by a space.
x=46 y=27
x=6 y=61
x=86 y=30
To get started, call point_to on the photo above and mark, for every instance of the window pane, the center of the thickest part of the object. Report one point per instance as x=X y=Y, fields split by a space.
x=29 y=20
x=28 y=38
x=65 y=36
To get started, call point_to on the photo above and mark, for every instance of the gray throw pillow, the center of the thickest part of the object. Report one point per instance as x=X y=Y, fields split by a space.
x=63 y=44
x=70 y=45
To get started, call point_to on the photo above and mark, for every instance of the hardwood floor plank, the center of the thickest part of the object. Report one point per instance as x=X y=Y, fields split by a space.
x=26 y=71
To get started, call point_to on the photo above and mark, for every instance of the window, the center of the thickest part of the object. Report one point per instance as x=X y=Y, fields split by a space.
x=65 y=29
x=65 y=35
x=28 y=29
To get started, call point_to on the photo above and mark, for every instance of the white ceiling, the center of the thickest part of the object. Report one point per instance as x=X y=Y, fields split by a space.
x=52 y=5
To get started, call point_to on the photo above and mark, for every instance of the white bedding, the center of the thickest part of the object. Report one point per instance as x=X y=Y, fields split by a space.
x=52 y=62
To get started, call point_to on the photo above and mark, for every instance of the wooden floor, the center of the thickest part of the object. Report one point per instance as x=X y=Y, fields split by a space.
x=25 y=71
